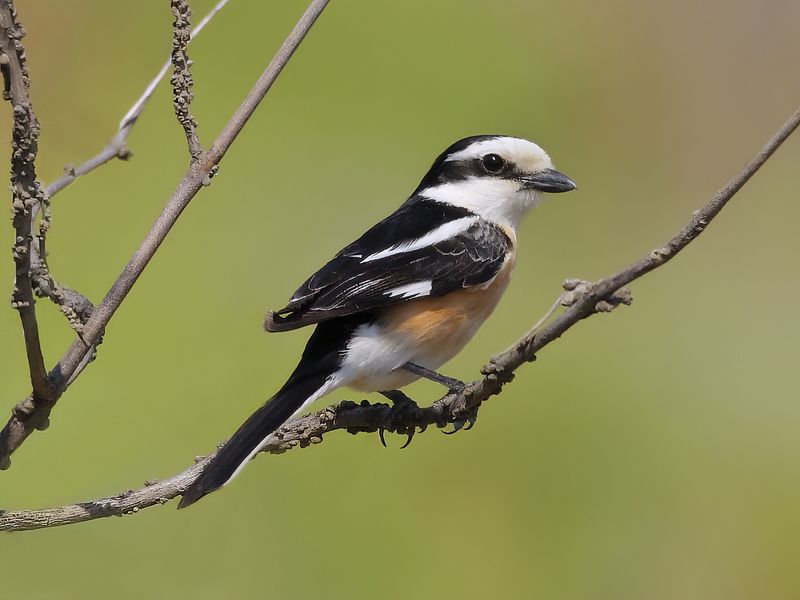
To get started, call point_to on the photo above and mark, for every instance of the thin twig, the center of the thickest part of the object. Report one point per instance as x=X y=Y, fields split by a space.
x=74 y=305
x=117 y=147
x=453 y=408
x=30 y=415
x=181 y=79
x=26 y=191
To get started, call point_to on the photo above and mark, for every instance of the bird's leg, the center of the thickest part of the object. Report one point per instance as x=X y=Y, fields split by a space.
x=454 y=385
x=402 y=405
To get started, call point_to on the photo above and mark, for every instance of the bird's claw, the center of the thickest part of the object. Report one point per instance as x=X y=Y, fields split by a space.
x=465 y=423
x=409 y=434
x=410 y=437
x=402 y=405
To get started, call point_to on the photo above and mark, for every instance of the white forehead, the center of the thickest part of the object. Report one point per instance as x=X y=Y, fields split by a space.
x=526 y=155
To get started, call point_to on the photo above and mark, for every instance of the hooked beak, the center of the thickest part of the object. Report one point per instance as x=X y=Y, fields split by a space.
x=549 y=180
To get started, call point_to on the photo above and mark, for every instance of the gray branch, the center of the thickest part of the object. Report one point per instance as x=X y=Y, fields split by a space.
x=117 y=147
x=583 y=300
x=32 y=273
x=74 y=305
x=33 y=414
x=181 y=79
x=26 y=191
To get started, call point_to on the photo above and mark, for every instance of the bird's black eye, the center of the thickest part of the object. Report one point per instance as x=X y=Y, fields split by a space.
x=493 y=163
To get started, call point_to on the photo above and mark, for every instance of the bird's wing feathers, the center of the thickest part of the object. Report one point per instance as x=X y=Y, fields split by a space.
x=429 y=262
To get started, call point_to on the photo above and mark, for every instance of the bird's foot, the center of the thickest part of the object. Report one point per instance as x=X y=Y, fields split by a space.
x=454 y=386
x=465 y=420
x=402 y=408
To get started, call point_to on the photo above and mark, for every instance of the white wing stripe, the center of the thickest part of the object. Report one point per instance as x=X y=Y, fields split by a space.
x=412 y=290
x=440 y=234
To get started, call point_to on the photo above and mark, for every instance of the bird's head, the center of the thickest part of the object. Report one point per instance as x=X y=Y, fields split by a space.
x=499 y=178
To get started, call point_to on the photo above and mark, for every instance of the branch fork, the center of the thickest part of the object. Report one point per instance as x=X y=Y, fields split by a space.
x=48 y=387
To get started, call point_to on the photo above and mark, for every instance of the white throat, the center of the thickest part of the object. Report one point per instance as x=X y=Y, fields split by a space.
x=499 y=201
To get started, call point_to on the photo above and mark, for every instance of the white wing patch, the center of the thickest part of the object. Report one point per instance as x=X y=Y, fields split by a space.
x=440 y=234
x=412 y=290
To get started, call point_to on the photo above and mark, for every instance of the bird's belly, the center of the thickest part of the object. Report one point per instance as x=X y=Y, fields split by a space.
x=428 y=332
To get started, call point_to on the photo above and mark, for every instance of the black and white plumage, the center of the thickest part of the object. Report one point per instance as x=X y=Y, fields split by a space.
x=454 y=250
x=414 y=288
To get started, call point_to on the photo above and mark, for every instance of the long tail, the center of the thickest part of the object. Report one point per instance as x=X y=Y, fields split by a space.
x=301 y=388
x=314 y=377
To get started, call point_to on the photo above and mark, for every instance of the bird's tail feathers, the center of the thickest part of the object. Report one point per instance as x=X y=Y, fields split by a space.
x=301 y=389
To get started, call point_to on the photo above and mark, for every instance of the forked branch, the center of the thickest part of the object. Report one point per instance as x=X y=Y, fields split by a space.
x=117 y=147
x=74 y=305
x=31 y=413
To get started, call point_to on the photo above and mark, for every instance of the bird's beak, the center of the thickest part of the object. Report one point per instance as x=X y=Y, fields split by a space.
x=549 y=180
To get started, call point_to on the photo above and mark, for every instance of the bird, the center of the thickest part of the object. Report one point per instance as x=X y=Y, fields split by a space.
x=405 y=297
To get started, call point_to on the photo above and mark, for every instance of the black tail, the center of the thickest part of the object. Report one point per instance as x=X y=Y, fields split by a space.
x=321 y=358
x=252 y=433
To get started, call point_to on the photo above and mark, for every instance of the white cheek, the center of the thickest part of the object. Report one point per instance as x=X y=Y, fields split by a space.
x=497 y=200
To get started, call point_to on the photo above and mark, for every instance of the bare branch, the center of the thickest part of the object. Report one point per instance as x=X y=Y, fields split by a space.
x=117 y=147
x=181 y=79
x=74 y=305
x=26 y=191
x=30 y=415
x=583 y=299
x=301 y=432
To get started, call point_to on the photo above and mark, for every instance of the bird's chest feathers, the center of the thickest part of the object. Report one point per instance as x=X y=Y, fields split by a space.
x=427 y=331
x=443 y=325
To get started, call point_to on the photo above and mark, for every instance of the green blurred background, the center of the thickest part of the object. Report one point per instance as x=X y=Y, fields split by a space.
x=651 y=453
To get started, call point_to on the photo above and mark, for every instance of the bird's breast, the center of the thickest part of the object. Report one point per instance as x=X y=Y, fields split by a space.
x=427 y=331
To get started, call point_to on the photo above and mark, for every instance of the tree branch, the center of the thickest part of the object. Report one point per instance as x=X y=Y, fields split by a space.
x=584 y=299
x=26 y=191
x=32 y=414
x=117 y=147
x=181 y=79
x=74 y=305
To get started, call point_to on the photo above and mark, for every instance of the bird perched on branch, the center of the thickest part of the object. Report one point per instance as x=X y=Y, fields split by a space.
x=407 y=296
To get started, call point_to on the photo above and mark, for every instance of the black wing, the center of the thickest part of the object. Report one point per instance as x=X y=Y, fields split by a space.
x=349 y=284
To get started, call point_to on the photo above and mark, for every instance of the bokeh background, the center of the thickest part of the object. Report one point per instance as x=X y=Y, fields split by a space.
x=651 y=453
